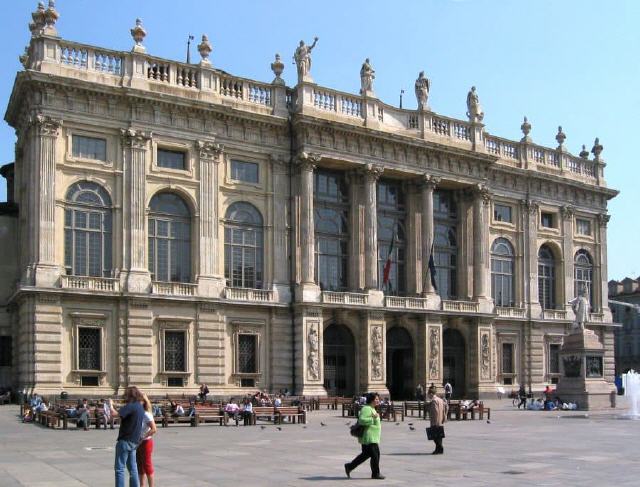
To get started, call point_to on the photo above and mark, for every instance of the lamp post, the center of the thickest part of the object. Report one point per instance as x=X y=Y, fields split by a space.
x=189 y=39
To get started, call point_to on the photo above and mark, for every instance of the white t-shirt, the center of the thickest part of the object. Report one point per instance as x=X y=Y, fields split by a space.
x=146 y=422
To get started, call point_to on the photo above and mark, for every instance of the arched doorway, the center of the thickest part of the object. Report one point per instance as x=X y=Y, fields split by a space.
x=399 y=363
x=339 y=361
x=454 y=361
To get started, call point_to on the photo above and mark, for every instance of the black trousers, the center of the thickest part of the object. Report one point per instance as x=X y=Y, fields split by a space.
x=368 y=451
x=438 y=443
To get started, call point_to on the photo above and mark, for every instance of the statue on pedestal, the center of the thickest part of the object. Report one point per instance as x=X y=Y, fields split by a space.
x=367 y=75
x=474 y=111
x=302 y=57
x=580 y=306
x=422 y=87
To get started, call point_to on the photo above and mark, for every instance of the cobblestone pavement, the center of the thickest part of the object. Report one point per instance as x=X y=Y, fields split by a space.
x=514 y=448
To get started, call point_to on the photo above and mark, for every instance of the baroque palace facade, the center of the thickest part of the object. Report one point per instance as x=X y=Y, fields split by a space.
x=174 y=224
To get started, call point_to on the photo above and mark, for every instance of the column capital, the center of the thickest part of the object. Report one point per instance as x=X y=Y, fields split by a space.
x=209 y=151
x=47 y=125
x=372 y=172
x=308 y=160
x=531 y=206
x=428 y=181
x=567 y=211
x=603 y=219
x=136 y=139
x=482 y=192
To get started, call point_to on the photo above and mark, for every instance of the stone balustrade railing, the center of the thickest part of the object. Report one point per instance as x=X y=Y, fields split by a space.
x=554 y=314
x=90 y=283
x=246 y=294
x=173 y=288
x=405 y=302
x=460 y=306
x=596 y=317
x=505 y=312
x=333 y=297
x=134 y=69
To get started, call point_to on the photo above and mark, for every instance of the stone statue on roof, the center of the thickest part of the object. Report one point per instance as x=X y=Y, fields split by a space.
x=422 y=87
x=302 y=57
x=474 y=111
x=367 y=75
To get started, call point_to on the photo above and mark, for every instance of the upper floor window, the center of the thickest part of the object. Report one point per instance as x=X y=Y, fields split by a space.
x=502 y=263
x=445 y=247
x=243 y=246
x=547 y=220
x=87 y=230
x=331 y=213
x=583 y=274
x=169 y=238
x=88 y=147
x=392 y=237
x=546 y=278
x=247 y=172
x=583 y=227
x=171 y=159
x=502 y=213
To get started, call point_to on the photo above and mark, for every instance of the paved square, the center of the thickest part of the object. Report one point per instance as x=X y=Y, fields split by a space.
x=515 y=448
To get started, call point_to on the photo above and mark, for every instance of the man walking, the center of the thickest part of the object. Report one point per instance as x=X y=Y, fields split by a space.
x=370 y=419
x=131 y=417
x=448 y=391
x=438 y=410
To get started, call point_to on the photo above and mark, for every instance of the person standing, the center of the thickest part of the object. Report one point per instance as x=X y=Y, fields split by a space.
x=131 y=418
x=419 y=393
x=438 y=410
x=370 y=419
x=522 y=395
x=448 y=391
x=145 y=449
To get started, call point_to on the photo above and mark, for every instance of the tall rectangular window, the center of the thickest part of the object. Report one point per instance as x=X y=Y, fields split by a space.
x=89 y=147
x=6 y=351
x=554 y=358
x=502 y=213
x=174 y=351
x=507 y=358
x=89 y=349
x=247 y=353
x=247 y=172
x=171 y=159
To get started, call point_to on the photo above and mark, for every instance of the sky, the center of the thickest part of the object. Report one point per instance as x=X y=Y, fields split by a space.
x=572 y=63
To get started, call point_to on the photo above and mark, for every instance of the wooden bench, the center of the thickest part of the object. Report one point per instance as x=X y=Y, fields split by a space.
x=392 y=411
x=454 y=410
x=268 y=412
x=415 y=406
x=330 y=402
x=101 y=419
x=349 y=409
x=211 y=414
x=293 y=413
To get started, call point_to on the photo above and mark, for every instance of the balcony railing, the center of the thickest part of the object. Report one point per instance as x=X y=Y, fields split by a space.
x=402 y=302
x=510 y=312
x=554 y=314
x=460 y=306
x=174 y=288
x=251 y=295
x=333 y=297
x=596 y=317
x=105 y=284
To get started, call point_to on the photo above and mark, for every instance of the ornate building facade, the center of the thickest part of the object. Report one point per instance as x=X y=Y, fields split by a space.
x=177 y=225
x=624 y=302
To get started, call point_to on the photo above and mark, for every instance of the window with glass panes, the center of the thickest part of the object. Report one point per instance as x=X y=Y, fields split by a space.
x=243 y=246
x=247 y=353
x=502 y=213
x=89 y=348
x=175 y=351
x=554 y=358
x=583 y=274
x=87 y=230
x=445 y=246
x=169 y=239
x=392 y=215
x=171 y=159
x=331 y=213
x=88 y=147
x=583 y=227
x=546 y=278
x=507 y=358
x=247 y=172
x=502 y=264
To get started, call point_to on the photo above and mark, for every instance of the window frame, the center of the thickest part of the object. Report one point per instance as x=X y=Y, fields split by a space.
x=249 y=327
x=501 y=221
x=172 y=146
x=94 y=321
x=503 y=276
x=554 y=220
x=552 y=278
x=164 y=150
x=247 y=162
x=109 y=146
x=398 y=212
x=172 y=324
x=259 y=278
x=589 y=222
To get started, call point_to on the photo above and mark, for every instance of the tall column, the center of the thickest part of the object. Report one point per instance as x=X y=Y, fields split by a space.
x=529 y=210
x=46 y=270
x=356 y=243
x=428 y=185
x=372 y=173
x=307 y=163
x=138 y=277
x=210 y=280
x=481 y=203
x=280 y=216
x=567 y=259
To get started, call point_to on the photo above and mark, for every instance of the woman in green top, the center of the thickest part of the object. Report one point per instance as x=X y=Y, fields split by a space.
x=370 y=419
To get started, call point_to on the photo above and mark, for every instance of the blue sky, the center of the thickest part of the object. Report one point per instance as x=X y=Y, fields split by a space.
x=572 y=63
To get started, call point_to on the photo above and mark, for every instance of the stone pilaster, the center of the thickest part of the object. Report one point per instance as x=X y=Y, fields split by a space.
x=429 y=183
x=481 y=261
x=371 y=176
x=139 y=344
x=209 y=344
x=138 y=278
x=536 y=354
x=567 y=260
x=430 y=368
x=600 y=302
x=485 y=358
x=373 y=352
x=47 y=272
x=356 y=223
x=609 y=354
x=530 y=225
x=210 y=280
x=309 y=371
x=280 y=347
x=281 y=229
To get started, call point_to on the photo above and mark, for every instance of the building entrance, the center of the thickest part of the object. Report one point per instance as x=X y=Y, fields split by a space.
x=453 y=361
x=339 y=361
x=400 y=380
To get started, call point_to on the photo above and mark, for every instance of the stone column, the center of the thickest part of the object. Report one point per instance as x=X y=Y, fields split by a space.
x=210 y=281
x=135 y=243
x=600 y=302
x=44 y=190
x=481 y=261
x=307 y=163
x=530 y=225
x=371 y=175
x=429 y=183
x=567 y=260
x=281 y=228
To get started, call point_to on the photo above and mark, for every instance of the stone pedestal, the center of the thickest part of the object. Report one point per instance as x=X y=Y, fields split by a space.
x=582 y=372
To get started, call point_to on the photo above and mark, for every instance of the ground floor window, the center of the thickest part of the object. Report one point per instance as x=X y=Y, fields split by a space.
x=247 y=353
x=89 y=348
x=554 y=358
x=175 y=351
x=508 y=364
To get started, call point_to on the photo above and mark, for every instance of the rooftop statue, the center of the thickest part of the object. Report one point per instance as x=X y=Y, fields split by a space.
x=302 y=57
x=474 y=111
x=422 y=87
x=367 y=75
x=580 y=306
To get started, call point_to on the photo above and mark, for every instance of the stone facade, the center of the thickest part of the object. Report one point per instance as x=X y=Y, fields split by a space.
x=247 y=174
x=624 y=301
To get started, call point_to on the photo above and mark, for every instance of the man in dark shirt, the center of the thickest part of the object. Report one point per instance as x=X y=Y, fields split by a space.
x=131 y=416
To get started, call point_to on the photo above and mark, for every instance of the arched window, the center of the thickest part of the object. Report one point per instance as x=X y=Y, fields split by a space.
x=583 y=274
x=331 y=212
x=243 y=246
x=546 y=278
x=392 y=237
x=169 y=238
x=502 y=261
x=87 y=230
x=445 y=243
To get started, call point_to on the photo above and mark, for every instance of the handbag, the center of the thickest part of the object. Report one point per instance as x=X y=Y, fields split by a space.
x=357 y=430
x=435 y=432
